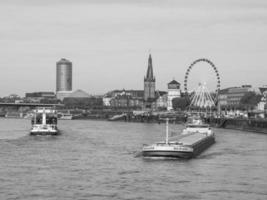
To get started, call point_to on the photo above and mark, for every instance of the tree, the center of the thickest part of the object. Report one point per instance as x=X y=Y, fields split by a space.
x=180 y=103
x=250 y=99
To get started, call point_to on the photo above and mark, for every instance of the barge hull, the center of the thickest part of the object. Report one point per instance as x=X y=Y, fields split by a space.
x=170 y=154
x=44 y=133
x=198 y=147
x=203 y=145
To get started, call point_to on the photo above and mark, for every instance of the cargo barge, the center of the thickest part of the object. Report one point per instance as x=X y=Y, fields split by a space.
x=195 y=138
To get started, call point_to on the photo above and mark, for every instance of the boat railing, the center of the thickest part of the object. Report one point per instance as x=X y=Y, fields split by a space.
x=45 y=126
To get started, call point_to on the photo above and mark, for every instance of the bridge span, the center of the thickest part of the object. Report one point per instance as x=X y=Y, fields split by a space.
x=31 y=105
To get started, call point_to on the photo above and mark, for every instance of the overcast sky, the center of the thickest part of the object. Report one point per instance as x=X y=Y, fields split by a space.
x=109 y=41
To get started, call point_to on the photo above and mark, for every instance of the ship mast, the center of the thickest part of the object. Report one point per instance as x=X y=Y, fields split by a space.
x=167 y=131
x=44 y=117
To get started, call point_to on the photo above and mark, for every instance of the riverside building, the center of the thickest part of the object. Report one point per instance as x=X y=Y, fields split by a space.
x=232 y=96
x=173 y=92
x=39 y=96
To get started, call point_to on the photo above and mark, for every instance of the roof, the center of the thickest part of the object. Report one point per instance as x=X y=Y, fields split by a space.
x=149 y=73
x=79 y=94
x=63 y=61
x=225 y=90
x=134 y=93
x=174 y=82
x=160 y=93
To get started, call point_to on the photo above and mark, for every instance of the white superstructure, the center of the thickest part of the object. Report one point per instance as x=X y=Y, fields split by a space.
x=196 y=125
x=173 y=92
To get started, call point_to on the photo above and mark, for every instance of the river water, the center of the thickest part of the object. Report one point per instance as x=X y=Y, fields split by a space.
x=99 y=160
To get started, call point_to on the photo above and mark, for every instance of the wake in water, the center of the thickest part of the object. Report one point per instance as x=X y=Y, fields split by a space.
x=13 y=134
x=138 y=154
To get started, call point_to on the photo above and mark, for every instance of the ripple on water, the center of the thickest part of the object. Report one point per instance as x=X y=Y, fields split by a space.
x=101 y=160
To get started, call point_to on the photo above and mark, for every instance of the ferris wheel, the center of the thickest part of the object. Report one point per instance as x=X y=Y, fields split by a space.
x=214 y=69
x=202 y=98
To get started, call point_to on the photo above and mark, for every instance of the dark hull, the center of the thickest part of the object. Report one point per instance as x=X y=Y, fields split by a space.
x=44 y=133
x=168 y=154
x=203 y=145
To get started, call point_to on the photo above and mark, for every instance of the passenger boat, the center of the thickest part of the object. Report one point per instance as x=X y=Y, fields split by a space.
x=65 y=116
x=44 y=122
x=117 y=117
x=195 y=138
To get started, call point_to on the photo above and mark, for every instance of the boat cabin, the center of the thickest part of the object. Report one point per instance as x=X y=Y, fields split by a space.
x=44 y=116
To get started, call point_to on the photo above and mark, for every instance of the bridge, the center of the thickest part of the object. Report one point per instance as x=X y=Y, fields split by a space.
x=31 y=105
x=19 y=110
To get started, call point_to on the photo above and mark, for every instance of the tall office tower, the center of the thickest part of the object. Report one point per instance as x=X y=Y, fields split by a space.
x=64 y=75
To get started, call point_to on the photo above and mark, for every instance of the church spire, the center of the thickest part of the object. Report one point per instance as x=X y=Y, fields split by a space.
x=149 y=73
x=149 y=82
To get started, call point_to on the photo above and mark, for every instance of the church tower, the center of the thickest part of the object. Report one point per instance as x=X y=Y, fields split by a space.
x=173 y=92
x=149 y=82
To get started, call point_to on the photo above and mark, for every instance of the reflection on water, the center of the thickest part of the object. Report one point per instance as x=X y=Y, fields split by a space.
x=101 y=160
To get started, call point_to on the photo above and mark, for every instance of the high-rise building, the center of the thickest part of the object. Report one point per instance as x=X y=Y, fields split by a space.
x=64 y=78
x=149 y=82
x=64 y=75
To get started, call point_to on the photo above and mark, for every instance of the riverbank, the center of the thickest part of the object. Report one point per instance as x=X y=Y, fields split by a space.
x=243 y=124
x=252 y=125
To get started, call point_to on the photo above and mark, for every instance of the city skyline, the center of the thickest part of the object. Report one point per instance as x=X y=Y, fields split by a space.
x=109 y=50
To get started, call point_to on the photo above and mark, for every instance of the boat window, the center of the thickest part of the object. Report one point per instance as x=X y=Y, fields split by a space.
x=50 y=119
x=38 y=120
x=161 y=144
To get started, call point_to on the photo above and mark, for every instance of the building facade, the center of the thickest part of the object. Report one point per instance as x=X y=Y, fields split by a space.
x=235 y=94
x=263 y=90
x=173 y=92
x=132 y=98
x=61 y=95
x=107 y=100
x=149 y=82
x=162 y=102
x=39 y=96
x=230 y=97
x=124 y=98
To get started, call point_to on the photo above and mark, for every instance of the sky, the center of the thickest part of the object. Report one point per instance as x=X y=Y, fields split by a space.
x=109 y=41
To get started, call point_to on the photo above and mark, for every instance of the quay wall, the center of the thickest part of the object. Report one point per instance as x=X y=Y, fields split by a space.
x=252 y=125
x=243 y=124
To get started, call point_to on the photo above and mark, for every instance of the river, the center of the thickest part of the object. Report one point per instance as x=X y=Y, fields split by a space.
x=99 y=160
